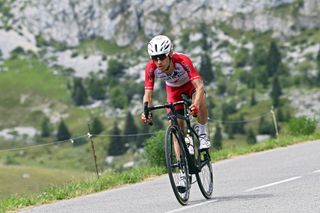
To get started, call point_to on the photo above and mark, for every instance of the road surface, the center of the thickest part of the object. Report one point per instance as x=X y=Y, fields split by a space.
x=280 y=180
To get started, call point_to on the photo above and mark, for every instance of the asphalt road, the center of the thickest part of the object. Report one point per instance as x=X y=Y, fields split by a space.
x=280 y=180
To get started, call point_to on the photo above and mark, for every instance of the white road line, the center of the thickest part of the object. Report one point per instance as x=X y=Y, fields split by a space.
x=191 y=206
x=272 y=184
x=316 y=171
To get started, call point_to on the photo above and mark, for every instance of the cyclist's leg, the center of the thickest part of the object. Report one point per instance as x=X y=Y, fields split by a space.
x=202 y=116
x=202 y=119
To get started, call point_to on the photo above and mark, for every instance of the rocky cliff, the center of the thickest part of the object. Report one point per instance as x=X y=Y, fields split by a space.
x=70 y=21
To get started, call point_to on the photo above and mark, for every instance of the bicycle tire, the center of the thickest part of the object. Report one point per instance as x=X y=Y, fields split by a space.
x=205 y=176
x=174 y=167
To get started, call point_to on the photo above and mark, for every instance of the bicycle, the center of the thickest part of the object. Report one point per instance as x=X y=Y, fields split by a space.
x=182 y=162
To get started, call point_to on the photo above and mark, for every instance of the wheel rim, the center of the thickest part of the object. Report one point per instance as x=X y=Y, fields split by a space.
x=205 y=177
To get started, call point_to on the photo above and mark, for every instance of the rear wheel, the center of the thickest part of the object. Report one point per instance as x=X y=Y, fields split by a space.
x=177 y=165
x=205 y=175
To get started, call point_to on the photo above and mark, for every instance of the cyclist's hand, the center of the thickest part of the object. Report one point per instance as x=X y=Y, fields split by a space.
x=194 y=110
x=144 y=120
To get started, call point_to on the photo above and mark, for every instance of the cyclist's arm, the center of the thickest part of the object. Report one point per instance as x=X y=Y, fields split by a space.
x=147 y=97
x=199 y=95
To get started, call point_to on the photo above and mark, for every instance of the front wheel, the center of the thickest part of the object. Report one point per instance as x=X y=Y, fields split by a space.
x=177 y=165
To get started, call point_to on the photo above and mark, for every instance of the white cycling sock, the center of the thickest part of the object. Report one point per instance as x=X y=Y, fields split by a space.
x=202 y=129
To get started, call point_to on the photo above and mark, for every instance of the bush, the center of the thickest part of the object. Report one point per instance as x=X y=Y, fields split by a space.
x=118 y=97
x=154 y=150
x=302 y=126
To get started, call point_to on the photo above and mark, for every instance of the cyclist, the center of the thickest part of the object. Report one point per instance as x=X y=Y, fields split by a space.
x=180 y=76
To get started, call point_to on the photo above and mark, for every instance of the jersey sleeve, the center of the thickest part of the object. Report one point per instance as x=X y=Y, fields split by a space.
x=188 y=66
x=149 y=76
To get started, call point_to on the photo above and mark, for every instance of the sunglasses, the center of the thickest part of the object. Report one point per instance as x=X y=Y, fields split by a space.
x=159 y=57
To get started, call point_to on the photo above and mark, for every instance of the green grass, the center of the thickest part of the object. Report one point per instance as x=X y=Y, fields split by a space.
x=62 y=156
x=282 y=141
x=99 y=45
x=308 y=36
x=24 y=180
x=30 y=76
x=75 y=189
x=26 y=85
x=109 y=180
x=286 y=10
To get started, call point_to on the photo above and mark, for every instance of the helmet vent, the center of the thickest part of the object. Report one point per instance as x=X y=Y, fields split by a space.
x=158 y=45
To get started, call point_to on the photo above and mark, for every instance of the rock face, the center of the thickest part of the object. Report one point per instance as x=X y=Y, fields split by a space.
x=69 y=21
x=306 y=103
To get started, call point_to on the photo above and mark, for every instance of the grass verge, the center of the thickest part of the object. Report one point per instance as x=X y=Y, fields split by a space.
x=282 y=141
x=110 y=180
x=74 y=189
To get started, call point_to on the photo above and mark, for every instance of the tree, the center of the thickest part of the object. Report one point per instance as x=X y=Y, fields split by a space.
x=239 y=126
x=251 y=137
x=230 y=129
x=117 y=147
x=79 y=93
x=228 y=108
x=253 y=100
x=273 y=59
x=241 y=58
x=130 y=128
x=217 y=138
x=45 y=128
x=118 y=97
x=184 y=41
x=280 y=115
x=210 y=106
x=276 y=91
x=206 y=68
x=221 y=86
x=157 y=123
x=63 y=132
x=261 y=75
x=246 y=77
x=115 y=71
x=133 y=88
x=97 y=88
x=259 y=56
x=97 y=126
x=115 y=68
x=205 y=45
x=144 y=136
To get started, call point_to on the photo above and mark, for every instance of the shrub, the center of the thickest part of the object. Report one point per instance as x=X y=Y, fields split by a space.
x=302 y=125
x=118 y=97
x=154 y=150
x=251 y=137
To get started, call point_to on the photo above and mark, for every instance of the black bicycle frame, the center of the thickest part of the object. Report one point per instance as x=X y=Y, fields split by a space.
x=194 y=167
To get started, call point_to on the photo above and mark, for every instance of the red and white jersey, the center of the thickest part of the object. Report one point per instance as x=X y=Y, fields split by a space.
x=184 y=72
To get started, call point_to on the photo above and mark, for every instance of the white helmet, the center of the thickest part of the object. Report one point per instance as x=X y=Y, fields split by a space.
x=159 y=45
